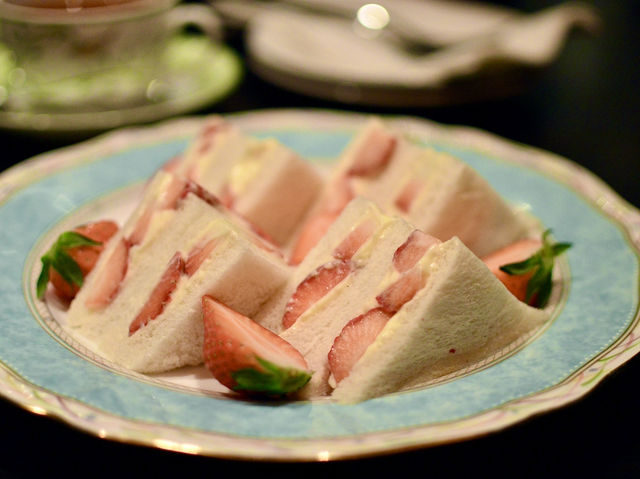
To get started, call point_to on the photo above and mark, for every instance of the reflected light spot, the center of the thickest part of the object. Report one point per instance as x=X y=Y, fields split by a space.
x=38 y=410
x=177 y=446
x=323 y=456
x=373 y=16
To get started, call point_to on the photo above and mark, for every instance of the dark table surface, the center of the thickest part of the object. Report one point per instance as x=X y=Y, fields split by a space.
x=585 y=107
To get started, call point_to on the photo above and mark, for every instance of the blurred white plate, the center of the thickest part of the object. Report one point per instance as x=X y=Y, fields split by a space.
x=479 y=51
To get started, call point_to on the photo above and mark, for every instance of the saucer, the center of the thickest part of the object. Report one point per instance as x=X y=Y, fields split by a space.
x=195 y=73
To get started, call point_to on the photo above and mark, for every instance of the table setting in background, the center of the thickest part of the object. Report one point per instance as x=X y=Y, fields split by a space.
x=538 y=97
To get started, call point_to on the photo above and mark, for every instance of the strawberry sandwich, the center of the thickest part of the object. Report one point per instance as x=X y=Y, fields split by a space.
x=140 y=306
x=436 y=192
x=378 y=306
x=261 y=179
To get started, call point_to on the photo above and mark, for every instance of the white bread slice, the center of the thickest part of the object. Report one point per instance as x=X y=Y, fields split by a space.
x=452 y=199
x=238 y=272
x=462 y=316
x=313 y=332
x=264 y=181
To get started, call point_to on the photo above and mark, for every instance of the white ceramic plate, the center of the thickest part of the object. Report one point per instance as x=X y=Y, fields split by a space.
x=594 y=329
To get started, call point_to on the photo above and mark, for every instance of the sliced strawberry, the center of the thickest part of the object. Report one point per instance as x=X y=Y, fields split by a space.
x=171 y=165
x=513 y=253
x=141 y=226
x=353 y=341
x=227 y=198
x=98 y=230
x=316 y=226
x=314 y=287
x=108 y=283
x=206 y=138
x=374 y=153
x=401 y=291
x=314 y=229
x=412 y=250
x=172 y=193
x=198 y=255
x=214 y=126
x=408 y=194
x=196 y=189
x=84 y=256
x=339 y=197
x=176 y=190
x=244 y=356
x=355 y=240
x=161 y=294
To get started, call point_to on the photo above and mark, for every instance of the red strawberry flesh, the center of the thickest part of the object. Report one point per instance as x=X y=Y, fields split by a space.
x=354 y=240
x=85 y=256
x=318 y=224
x=108 y=284
x=353 y=341
x=161 y=294
x=408 y=194
x=313 y=230
x=198 y=255
x=412 y=250
x=401 y=291
x=373 y=153
x=206 y=138
x=313 y=288
x=516 y=252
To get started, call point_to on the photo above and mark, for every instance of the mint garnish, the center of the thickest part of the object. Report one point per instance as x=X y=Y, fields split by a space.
x=541 y=263
x=59 y=259
x=273 y=379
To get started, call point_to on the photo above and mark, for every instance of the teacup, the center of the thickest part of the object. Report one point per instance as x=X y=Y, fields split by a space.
x=59 y=45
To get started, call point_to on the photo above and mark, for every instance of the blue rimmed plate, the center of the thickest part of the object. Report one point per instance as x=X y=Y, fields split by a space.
x=594 y=331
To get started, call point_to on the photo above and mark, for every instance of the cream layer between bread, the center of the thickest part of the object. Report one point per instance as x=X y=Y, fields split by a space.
x=237 y=272
x=462 y=315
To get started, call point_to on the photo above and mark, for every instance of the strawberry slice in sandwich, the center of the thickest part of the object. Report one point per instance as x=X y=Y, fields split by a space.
x=140 y=306
x=264 y=181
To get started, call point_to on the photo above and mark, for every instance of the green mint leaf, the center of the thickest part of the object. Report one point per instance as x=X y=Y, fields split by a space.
x=560 y=248
x=58 y=258
x=272 y=379
x=66 y=266
x=539 y=286
x=522 y=267
x=43 y=278
x=541 y=264
x=71 y=239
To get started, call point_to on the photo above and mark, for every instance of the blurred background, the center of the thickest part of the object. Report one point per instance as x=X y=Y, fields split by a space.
x=576 y=96
x=581 y=102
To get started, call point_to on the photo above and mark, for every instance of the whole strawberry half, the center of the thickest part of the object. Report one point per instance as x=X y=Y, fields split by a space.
x=526 y=268
x=246 y=357
x=73 y=256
